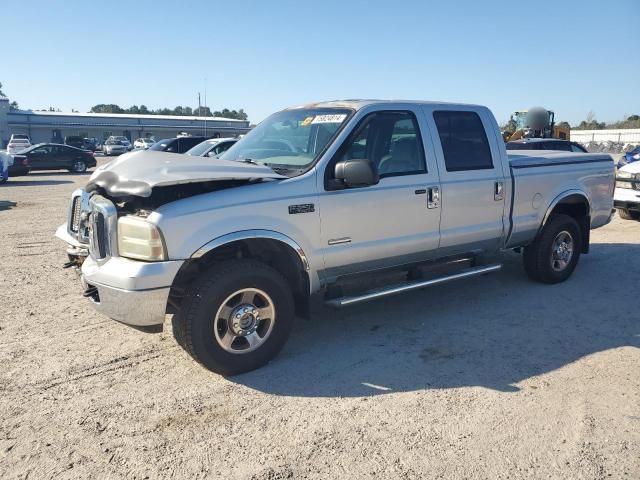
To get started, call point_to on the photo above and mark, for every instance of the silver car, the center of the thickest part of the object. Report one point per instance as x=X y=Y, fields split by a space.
x=114 y=147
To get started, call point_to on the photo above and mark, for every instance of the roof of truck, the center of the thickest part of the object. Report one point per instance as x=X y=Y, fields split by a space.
x=357 y=104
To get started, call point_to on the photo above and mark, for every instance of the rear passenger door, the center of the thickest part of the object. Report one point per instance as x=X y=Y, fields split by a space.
x=471 y=177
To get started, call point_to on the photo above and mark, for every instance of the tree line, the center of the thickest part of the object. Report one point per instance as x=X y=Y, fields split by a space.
x=179 y=110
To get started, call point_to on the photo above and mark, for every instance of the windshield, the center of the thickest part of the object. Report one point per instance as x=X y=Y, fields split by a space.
x=200 y=149
x=292 y=138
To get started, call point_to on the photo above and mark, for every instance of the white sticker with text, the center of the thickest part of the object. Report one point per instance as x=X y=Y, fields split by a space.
x=337 y=118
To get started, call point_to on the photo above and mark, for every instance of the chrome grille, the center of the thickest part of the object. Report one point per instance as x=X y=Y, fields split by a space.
x=78 y=214
x=103 y=221
x=76 y=208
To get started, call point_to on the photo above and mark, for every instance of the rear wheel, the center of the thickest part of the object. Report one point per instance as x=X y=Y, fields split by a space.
x=553 y=256
x=236 y=317
x=628 y=215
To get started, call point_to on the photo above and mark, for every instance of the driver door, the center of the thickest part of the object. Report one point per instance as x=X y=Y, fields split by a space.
x=391 y=223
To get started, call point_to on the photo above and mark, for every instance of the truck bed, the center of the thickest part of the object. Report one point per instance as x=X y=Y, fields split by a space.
x=539 y=176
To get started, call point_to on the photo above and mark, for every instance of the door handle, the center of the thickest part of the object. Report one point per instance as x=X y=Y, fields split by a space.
x=433 y=197
x=498 y=191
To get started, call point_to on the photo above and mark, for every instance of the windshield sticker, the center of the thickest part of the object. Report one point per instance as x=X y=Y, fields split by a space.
x=339 y=118
x=306 y=121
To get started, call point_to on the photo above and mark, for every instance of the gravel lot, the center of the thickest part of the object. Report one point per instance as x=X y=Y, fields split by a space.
x=496 y=377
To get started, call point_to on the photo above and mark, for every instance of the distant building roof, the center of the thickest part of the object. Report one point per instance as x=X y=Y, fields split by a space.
x=124 y=115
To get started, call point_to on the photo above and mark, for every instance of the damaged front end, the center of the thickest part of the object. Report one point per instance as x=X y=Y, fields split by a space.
x=135 y=185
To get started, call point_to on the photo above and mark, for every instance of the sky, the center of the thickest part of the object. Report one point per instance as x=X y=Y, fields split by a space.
x=570 y=56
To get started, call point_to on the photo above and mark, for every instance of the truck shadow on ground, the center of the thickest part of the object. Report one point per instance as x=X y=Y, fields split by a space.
x=34 y=183
x=493 y=332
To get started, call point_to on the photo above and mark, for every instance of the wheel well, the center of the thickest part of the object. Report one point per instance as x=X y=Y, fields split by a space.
x=577 y=207
x=274 y=253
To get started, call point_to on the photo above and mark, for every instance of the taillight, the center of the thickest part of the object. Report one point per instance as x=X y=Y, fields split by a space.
x=25 y=162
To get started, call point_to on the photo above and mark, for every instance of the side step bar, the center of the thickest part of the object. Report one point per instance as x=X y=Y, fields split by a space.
x=405 y=287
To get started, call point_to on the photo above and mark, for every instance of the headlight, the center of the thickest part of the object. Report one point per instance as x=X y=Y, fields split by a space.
x=140 y=239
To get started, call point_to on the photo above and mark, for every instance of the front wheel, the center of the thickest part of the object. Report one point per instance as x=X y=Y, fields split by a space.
x=553 y=256
x=236 y=317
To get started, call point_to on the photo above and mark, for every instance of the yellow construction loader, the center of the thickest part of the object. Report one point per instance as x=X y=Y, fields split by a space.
x=537 y=122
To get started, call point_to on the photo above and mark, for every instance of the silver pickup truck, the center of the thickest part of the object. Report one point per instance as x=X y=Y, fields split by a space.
x=353 y=199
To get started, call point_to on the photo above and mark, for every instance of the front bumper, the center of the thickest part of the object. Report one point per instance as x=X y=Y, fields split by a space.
x=134 y=307
x=132 y=292
x=129 y=291
x=627 y=198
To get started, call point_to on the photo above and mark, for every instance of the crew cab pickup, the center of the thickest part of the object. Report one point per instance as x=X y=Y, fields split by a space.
x=320 y=199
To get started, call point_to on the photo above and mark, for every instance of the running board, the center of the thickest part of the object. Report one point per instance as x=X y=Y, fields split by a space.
x=405 y=287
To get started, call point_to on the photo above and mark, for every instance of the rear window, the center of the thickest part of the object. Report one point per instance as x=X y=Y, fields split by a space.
x=464 y=141
x=523 y=146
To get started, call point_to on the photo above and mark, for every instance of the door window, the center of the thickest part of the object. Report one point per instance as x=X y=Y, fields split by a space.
x=464 y=141
x=389 y=140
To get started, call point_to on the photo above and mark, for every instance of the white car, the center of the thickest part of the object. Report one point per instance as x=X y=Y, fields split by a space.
x=17 y=143
x=143 y=143
x=626 y=198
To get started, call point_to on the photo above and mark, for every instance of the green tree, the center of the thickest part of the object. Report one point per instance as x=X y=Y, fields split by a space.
x=1 y=92
x=564 y=124
x=106 y=108
x=14 y=106
x=144 y=110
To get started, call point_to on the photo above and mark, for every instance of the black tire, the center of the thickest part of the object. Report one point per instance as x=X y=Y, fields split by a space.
x=78 y=166
x=628 y=215
x=195 y=322
x=539 y=256
x=3 y=179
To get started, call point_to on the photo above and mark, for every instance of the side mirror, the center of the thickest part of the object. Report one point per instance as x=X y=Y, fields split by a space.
x=356 y=172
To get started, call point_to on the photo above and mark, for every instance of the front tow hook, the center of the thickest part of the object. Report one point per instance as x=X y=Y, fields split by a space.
x=90 y=292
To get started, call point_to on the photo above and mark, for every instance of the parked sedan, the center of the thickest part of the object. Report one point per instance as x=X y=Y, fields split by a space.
x=211 y=147
x=124 y=140
x=176 y=145
x=546 y=144
x=114 y=147
x=52 y=156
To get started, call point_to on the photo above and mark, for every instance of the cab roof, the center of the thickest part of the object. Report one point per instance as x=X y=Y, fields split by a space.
x=357 y=104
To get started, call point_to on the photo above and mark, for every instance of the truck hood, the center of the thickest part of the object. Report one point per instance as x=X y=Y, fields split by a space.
x=137 y=173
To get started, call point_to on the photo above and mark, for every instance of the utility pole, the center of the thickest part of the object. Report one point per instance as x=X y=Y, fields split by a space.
x=205 y=106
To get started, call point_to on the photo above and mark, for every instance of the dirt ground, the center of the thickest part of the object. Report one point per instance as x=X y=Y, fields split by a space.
x=495 y=377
